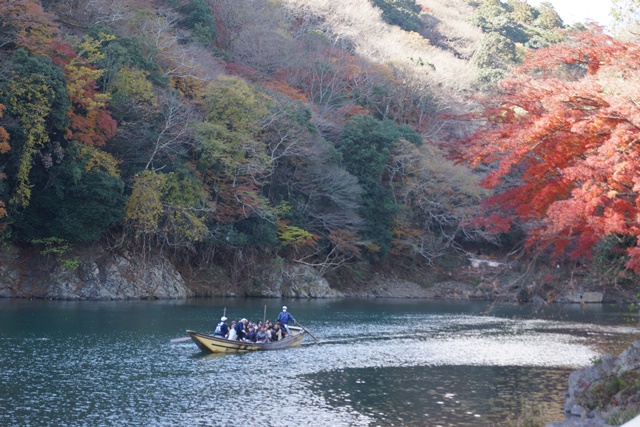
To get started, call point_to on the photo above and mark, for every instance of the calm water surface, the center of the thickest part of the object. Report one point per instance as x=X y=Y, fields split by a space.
x=379 y=363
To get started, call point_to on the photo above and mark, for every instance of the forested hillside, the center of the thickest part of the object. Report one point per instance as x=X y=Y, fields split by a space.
x=309 y=131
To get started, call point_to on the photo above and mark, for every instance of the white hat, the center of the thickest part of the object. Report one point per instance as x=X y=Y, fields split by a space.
x=224 y=319
x=243 y=320
x=284 y=308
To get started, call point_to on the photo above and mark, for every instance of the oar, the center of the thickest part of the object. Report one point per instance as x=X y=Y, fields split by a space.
x=307 y=331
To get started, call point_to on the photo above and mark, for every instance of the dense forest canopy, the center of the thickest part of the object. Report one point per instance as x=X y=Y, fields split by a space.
x=314 y=131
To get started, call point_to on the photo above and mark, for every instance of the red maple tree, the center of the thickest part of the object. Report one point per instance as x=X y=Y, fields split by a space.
x=563 y=137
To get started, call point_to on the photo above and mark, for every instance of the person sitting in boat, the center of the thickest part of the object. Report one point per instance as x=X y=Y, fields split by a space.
x=278 y=331
x=240 y=330
x=222 y=330
x=285 y=317
x=282 y=329
x=233 y=335
x=272 y=333
x=251 y=334
x=262 y=335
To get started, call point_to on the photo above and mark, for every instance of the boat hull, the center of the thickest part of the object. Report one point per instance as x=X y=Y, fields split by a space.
x=212 y=344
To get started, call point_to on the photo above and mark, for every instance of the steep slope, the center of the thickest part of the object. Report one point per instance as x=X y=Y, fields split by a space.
x=358 y=25
x=447 y=25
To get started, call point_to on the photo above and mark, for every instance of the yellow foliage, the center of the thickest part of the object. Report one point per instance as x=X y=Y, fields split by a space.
x=89 y=48
x=372 y=247
x=99 y=160
x=188 y=225
x=31 y=101
x=296 y=237
x=134 y=83
x=77 y=77
x=188 y=86
x=235 y=104
x=149 y=210
x=144 y=207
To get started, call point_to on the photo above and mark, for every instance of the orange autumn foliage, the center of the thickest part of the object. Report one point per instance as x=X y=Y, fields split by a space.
x=25 y=24
x=4 y=135
x=563 y=133
x=90 y=121
x=285 y=89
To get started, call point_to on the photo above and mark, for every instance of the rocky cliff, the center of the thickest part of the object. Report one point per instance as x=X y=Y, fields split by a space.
x=607 y=393
x=99 y=274
x=102 y=275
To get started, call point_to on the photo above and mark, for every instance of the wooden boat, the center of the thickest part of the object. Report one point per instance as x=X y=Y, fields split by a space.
x=209 y=343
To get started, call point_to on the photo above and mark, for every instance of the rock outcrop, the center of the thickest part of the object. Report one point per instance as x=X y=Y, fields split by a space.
x=581 y=297
x=608 y=390
x=298 y=281
x=394 y=287
x=109 y=277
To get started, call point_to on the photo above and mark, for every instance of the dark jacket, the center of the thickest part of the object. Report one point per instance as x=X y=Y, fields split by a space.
x=240 y=330
x=222 y=330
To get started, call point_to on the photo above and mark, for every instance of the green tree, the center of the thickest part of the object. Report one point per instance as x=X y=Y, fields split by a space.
x=233 y=103
x=494 y=52
x=487 y=11
x=521 y=11
x=366 y=146
x=36 y=98
x=231 y=158
x=548 y=18
x=74 y=200
x=126 y=52
x=168 y=208
x=199 y=19
x=144 y=206
x=402 y=13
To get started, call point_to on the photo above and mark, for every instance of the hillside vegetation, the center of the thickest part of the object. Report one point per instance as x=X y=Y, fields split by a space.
x=230 y=132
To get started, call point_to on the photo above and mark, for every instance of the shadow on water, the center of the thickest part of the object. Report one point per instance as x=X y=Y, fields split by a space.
x=442 y=395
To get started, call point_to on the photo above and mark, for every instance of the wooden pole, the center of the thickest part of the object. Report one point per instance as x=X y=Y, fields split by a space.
x=307 y=331
x=264 y=317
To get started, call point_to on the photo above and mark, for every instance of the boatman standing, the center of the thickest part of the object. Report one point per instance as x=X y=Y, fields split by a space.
x=284 y=317
x=222 y=330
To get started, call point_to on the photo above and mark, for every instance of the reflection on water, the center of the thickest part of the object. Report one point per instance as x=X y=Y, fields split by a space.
x=378 y=363
x=442 y=395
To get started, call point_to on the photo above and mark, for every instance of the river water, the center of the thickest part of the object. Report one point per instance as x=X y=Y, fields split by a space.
x=378 y=363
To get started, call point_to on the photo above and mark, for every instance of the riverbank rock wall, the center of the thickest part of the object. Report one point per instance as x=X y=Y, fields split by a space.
x=298 y=281
x=97 y=272
x=103 y=276
x=94 y=273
